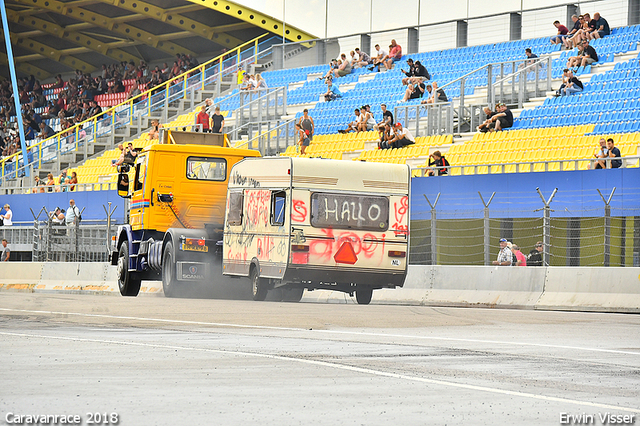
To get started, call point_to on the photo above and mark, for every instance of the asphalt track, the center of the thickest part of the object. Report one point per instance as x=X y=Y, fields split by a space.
x=158 y=361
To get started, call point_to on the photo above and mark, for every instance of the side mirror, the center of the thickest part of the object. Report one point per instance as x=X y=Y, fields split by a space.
x=123 y=185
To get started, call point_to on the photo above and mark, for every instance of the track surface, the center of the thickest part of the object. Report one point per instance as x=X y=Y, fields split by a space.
x=157 y=361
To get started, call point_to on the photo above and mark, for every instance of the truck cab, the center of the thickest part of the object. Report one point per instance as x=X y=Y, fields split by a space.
x=177 y=194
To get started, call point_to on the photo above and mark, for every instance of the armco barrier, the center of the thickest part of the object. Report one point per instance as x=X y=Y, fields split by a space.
x=559 y=288
x=597 y=289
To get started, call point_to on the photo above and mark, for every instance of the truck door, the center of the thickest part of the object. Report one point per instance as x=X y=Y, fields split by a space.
x=140 y=196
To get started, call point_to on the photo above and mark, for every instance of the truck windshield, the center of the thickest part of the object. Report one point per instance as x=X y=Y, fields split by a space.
x=203 y=168
x=364 y=212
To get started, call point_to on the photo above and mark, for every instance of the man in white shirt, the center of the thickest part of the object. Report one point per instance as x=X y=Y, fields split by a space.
x=403 y=137
x=73 y=214
x=7 y=216
x=379 y=56
x=505 y=256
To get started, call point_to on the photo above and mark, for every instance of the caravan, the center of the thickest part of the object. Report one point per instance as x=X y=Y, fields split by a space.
x=296 y=223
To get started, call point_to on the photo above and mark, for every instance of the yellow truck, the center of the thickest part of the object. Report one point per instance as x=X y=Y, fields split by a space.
x=176 y=212
x=297 y=223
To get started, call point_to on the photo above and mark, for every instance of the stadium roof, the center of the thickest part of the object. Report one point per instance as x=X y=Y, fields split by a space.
x=57 y=36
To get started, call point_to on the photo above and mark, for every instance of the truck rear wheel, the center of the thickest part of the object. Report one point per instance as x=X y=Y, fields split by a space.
x=258 y=286
x=128 y=283
x=169 y=281
x=363 y=295
x=291 y=294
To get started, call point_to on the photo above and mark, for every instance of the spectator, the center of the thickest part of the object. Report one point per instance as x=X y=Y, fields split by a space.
x=395 y=54
x=307 y=124
x=601 y=152
x=333 y=92
x=303 y=141
x=613 y=153
x=7 y=217
x=414 y=91
x=260 y=83
x=363 y=59
x=439 y=162
x=602 y=27
x=535 y=255
x=386 y=136
x=354 y=125
x=368 y=122
x=586 y=55
x=402 y=137
x=6 y=253
x=154 y=133
x=217 y=121
x=521 y=259
x=387 y=117
x=502 y=119
x=417 y=73
x=209 y=104
x=562 y=33
x=577 y=26
x=203 y=120
x=572 y=85
x=50 y=182
x=72 y=217
x=435 y=94
x=380 y=56
x=246 y=82
x=45 y=131
x=505 y=256
x=135 y=91
x=333 y=65
x=120 y=160
x=344 y=68
x=484 y=126
x=95 y=110
x=531 y=58
x=355 y=58
x=130 y=154
x=73 y=181
x=587 y=27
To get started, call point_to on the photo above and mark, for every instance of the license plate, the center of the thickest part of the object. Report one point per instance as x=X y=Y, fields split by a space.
x=189 y=247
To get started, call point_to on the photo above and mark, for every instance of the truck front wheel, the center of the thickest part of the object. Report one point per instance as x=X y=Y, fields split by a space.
x=258 y=286
x=128 y=283
x=169 y=281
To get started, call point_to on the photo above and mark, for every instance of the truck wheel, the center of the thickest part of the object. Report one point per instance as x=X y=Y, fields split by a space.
x=292 y=294
x=169 y=281
x=363 y=295
x=258 y=286
x=128 y=283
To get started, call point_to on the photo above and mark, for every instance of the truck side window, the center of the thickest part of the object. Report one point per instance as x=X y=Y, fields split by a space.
x=278 y=202
x=141 y=171
x=236 y=201
x=205 y=168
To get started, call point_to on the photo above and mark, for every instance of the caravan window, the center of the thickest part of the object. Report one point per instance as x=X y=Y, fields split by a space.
x=364 y=212
x=278 y=202
x=234 y=215
x=203 y=168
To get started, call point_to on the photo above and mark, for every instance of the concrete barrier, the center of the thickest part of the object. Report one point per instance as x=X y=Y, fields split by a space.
x=19 y=276
x=593 y=289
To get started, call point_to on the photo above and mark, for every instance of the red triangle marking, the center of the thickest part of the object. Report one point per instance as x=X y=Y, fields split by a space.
x=346 y=254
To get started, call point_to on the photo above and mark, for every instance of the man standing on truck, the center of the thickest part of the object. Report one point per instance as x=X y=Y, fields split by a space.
x=217 y=121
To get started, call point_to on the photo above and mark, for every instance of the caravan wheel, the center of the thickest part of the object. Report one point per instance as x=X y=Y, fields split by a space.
x=363 y=295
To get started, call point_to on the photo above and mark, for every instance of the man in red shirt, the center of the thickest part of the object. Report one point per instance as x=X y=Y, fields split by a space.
x=395 y=54
x=204 y=119
x=562 y=33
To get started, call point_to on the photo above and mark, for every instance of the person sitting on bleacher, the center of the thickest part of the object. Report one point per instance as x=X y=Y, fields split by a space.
x=586 y=56
x=386 y=136
x=45 y=131
x=403 y=137
x=601 y=152
x=355 y=124
x=380 y=56
x=614 y=153
x=416 y=73
x=333 y=92
x=333 y=65
x=438 y=161
x=395 y=54
x=364 y=59
x=344 y=67
x=576 y=27
x=387 y=118
x=368 y=122
x=562 y=33
x=571 y=85
x=484 y=126
x=502 y=119
x=414 y=91
x=435 y=94
x=602 y=27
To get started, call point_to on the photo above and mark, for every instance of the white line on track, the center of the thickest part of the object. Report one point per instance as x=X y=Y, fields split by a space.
x=339 y=367
x=355 y=333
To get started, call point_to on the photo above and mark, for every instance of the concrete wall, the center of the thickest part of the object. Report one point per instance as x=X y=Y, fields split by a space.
x=582 y=289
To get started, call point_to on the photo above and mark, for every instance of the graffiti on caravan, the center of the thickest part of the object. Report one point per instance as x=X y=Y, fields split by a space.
x=349 y=211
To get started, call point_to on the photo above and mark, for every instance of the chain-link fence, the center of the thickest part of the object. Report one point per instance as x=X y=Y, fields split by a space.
x=446 y=233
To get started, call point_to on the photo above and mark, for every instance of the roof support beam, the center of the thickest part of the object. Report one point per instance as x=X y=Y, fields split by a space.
x=177 y=20
x=256 y=18
x=25 y=68
x=85 y=41
x=108 y=23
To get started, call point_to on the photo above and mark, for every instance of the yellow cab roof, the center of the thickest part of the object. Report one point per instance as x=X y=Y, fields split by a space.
x=203 y=150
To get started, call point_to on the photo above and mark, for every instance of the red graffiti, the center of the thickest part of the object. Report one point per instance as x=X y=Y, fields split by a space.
x=238 y=255
x=299 y=213
x=258 y=206
x=264 y=247
x=400 y=227
x=367 y=245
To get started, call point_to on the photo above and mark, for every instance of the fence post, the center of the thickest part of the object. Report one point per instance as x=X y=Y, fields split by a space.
x=434 y=247
x=487 y=228
x=109 y=213
x=607 y=226
x=546 y=225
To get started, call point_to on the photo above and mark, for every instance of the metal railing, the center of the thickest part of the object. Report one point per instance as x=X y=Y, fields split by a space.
x=257 y=106
x=271 y=137
x=185 y=86
x=517 y=81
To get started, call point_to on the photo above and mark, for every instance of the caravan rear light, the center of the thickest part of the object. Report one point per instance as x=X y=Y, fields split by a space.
x=395 y=253
x=299 y=247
